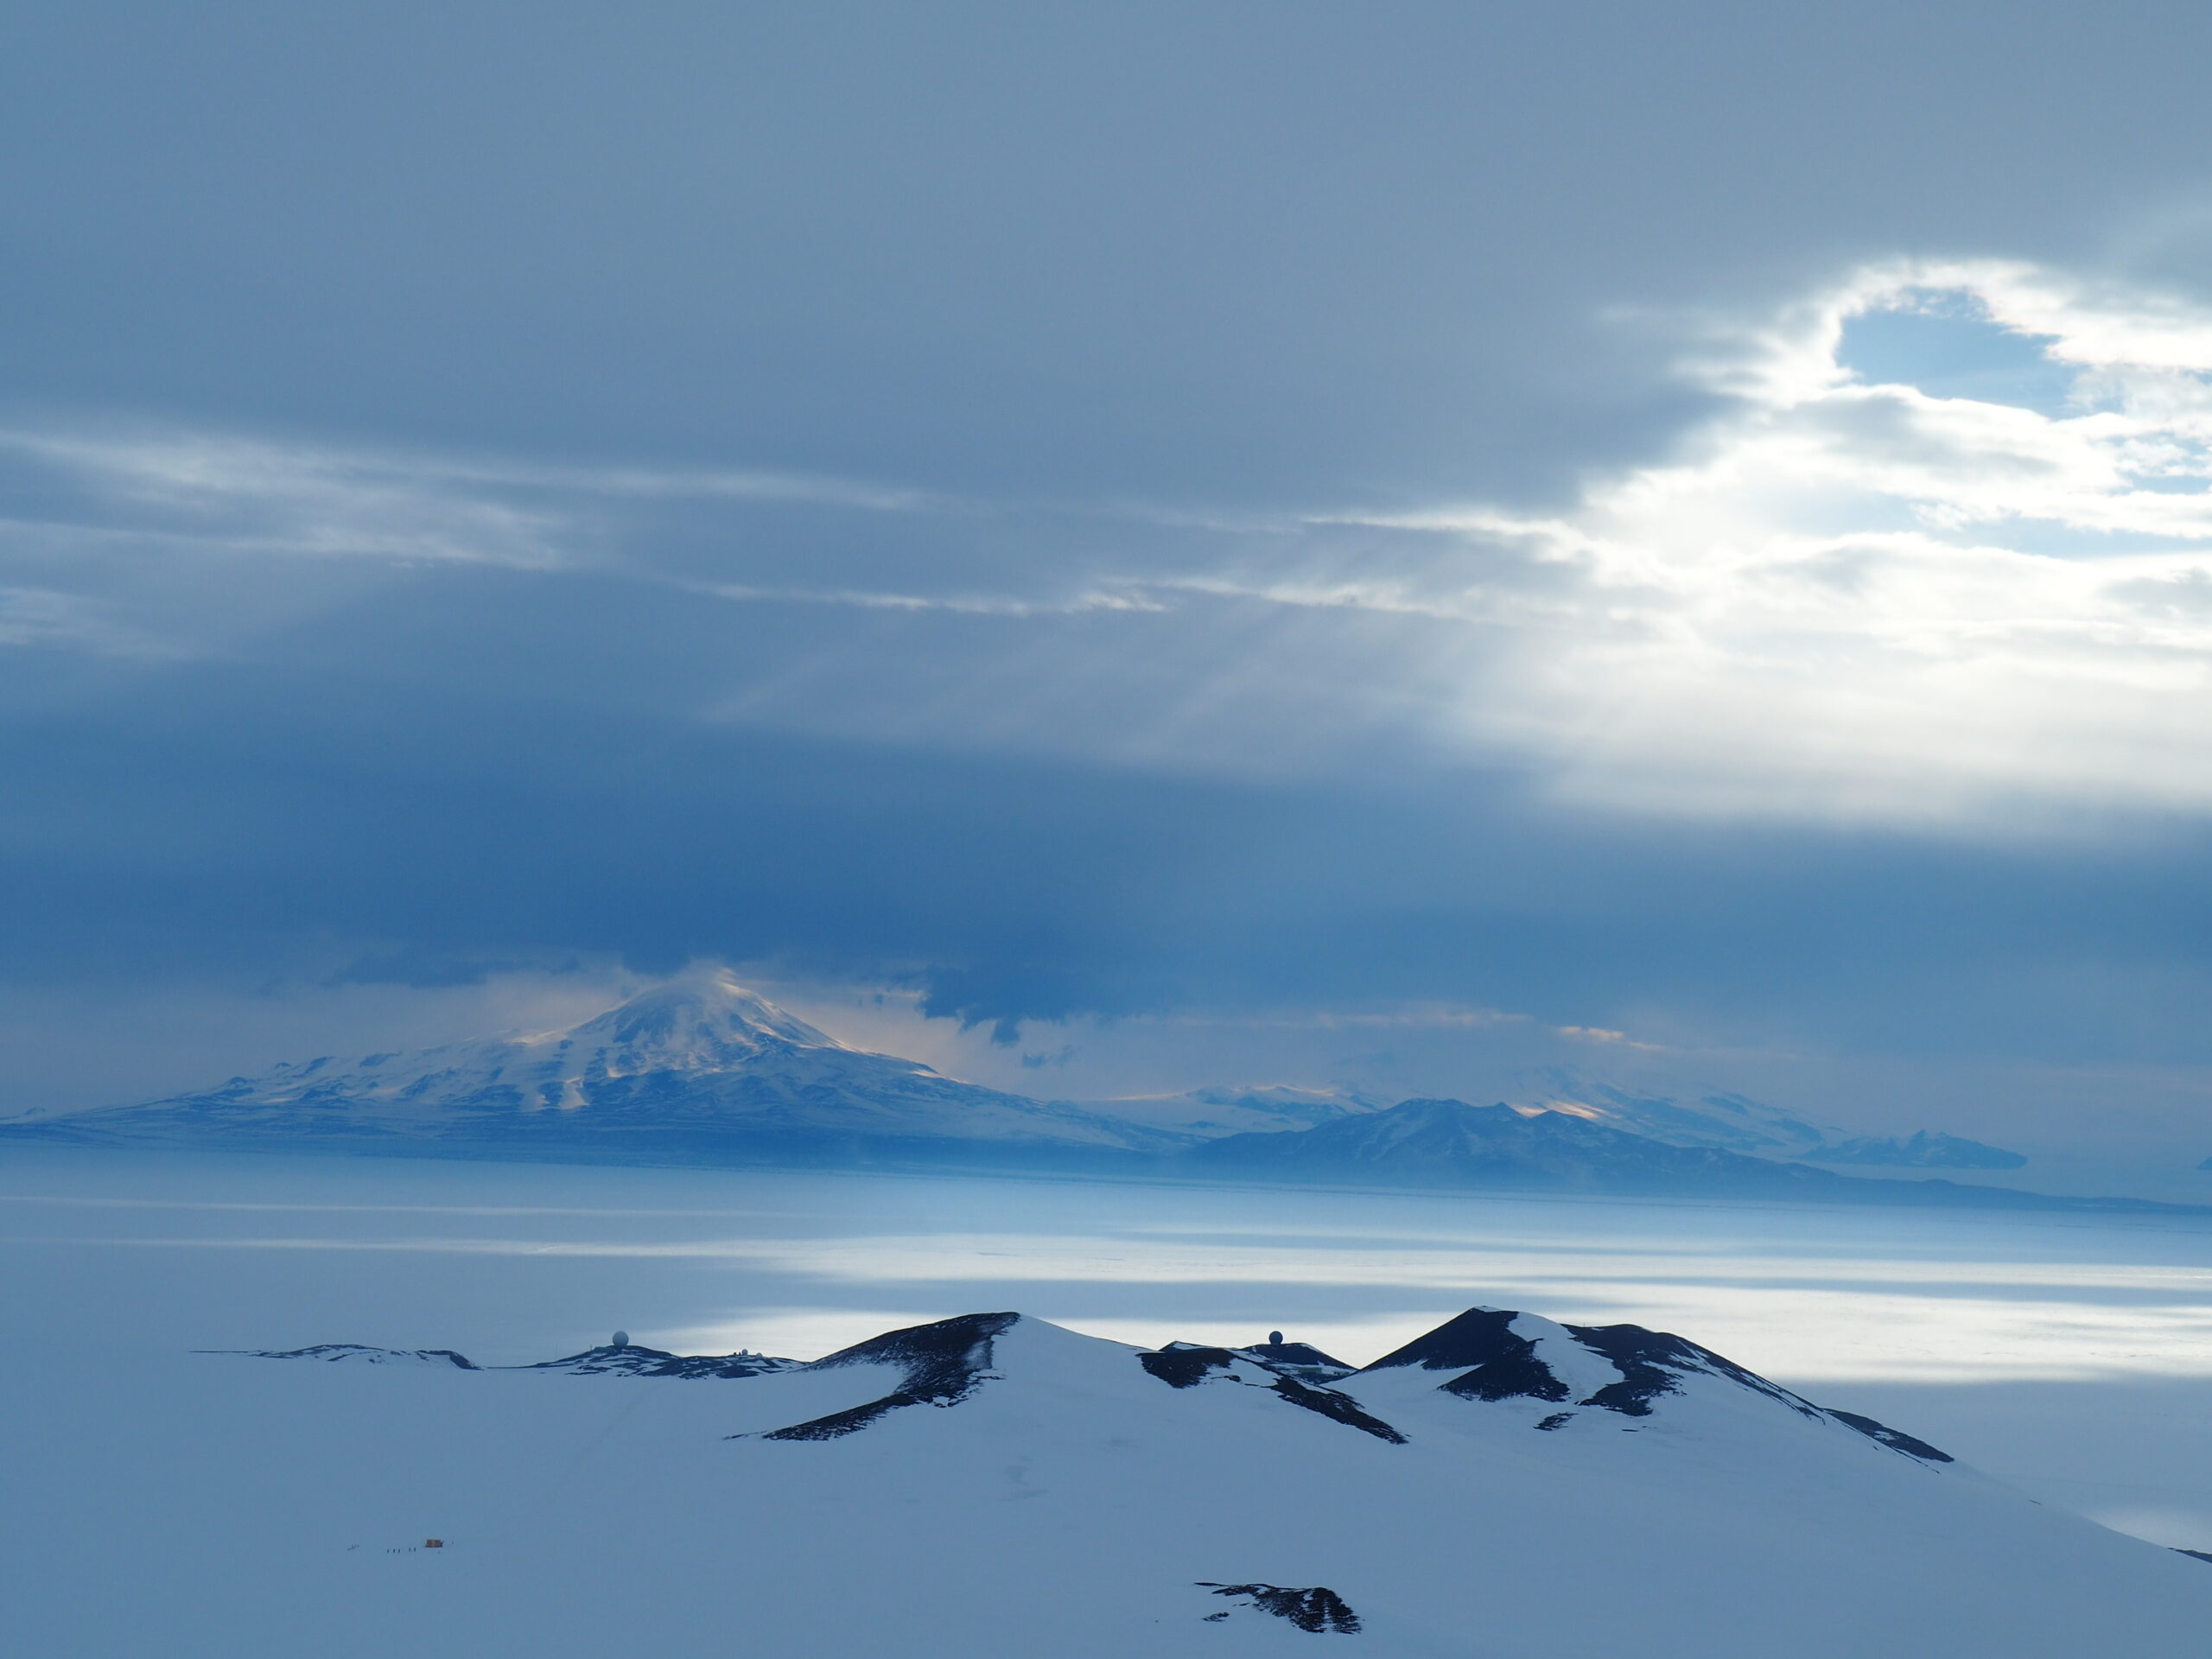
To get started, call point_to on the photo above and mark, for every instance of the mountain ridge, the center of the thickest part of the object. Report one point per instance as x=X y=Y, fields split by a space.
x=994 y=1485
x=1437 y=1145
x=701 y=1070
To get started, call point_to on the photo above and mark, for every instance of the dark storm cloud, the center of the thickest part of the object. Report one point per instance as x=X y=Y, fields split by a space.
x=441 y=777
x=1208 y=251
x=902 y=492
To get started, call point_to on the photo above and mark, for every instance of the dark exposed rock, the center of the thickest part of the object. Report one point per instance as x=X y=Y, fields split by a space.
x=1897 y=1439
x=1337 y=1408
x=1474 y=1337
x=1494 y=1363
x=631 y=1360
x=1517 y=1376
x=945 y=1363
x=1652 y=1362
x=720 y=1365
x=1183 y=1365
x=1279 y=1352
x=1299 y=1359
x=1317 y=1608
x=358 y=1352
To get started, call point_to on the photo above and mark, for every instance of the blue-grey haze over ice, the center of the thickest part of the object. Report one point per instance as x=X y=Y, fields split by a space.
x=1120 y=549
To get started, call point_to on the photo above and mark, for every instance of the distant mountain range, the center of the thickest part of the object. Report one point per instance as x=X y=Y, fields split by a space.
x=1726 y=1122
x=1440 y=1143
x=701 y=1070
x=1922 y=1150
x=994 y=1486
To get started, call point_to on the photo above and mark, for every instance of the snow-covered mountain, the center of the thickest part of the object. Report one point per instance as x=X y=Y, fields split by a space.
x=1734 y=1122
x=697 y=1067
x=1449 y=1142
x=1446 y=1143
x=1920 y=1150
x=701 y=1070
x=1720 y=1121
x=992 y=1486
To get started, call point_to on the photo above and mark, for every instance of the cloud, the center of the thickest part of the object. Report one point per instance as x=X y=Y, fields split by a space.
x=1853 y=599
x=260 y=495
x=235 y=503
x=45 y=616
x=246 y=496
x=1847 y=591
x=1933 y=554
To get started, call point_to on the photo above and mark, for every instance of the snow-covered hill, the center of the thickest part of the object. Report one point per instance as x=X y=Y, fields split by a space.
x=995 y=1487
x=1734 y=1122
x=1731 y=1122
x=697 y=1067
x=1449 y=1142
x=1437 y=1144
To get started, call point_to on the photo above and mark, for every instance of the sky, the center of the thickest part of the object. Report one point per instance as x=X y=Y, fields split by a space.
x=1637 y=538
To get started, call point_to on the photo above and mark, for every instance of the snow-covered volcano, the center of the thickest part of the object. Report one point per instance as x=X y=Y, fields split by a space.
x=697 y=1067
x=995 y=1487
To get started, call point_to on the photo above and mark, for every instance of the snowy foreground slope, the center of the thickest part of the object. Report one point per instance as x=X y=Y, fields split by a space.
x=995 y=1487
